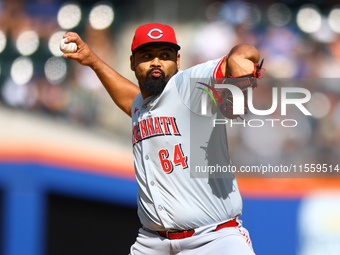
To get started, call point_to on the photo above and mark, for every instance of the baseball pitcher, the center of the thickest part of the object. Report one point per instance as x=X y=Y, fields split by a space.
x=181 y=213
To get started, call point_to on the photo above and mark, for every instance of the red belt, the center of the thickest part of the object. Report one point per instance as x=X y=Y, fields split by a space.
x=187 y=233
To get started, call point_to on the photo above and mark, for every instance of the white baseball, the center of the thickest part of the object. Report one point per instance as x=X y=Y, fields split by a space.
x=70 y=47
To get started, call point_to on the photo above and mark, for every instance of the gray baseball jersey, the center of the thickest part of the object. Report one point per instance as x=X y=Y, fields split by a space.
x=170 y=139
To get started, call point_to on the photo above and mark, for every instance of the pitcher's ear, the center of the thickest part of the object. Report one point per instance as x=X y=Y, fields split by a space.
x=132 y=63
x=178 y=61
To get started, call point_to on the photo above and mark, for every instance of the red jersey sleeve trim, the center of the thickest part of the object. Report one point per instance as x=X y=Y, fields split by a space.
x=218 y=71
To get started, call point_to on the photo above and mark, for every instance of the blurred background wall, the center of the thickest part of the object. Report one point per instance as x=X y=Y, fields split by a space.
x=66 y=170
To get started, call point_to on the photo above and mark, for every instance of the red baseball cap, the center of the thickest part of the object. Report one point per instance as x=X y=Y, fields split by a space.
x=154 y=33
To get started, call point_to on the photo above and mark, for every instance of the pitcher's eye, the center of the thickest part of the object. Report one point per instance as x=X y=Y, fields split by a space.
x=165 y=55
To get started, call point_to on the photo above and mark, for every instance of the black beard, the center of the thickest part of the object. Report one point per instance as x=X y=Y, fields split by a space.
x=153 y=85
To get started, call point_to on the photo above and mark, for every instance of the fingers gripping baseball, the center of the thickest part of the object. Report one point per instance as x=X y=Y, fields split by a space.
x=83 y=54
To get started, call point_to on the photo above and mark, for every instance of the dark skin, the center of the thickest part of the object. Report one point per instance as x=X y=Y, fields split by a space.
x=162 y=57
x=239 y=61
x=121 y=90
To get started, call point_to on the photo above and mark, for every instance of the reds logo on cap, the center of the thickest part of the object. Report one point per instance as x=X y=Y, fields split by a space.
x=154 y=33
x=160 y=33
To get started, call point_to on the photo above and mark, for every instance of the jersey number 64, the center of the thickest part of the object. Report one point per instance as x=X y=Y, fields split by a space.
x=178 y=159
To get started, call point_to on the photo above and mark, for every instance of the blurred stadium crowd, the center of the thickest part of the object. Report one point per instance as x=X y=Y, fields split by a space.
x=298 y=40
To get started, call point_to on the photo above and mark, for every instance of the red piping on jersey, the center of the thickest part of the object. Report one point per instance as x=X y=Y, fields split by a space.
x=218 y=73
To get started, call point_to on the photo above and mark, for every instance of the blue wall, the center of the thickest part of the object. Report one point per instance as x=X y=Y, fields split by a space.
x=25 y=188
x=272 y=225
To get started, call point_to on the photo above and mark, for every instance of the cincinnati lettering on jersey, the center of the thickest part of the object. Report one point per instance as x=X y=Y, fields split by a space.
x=154 y=126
